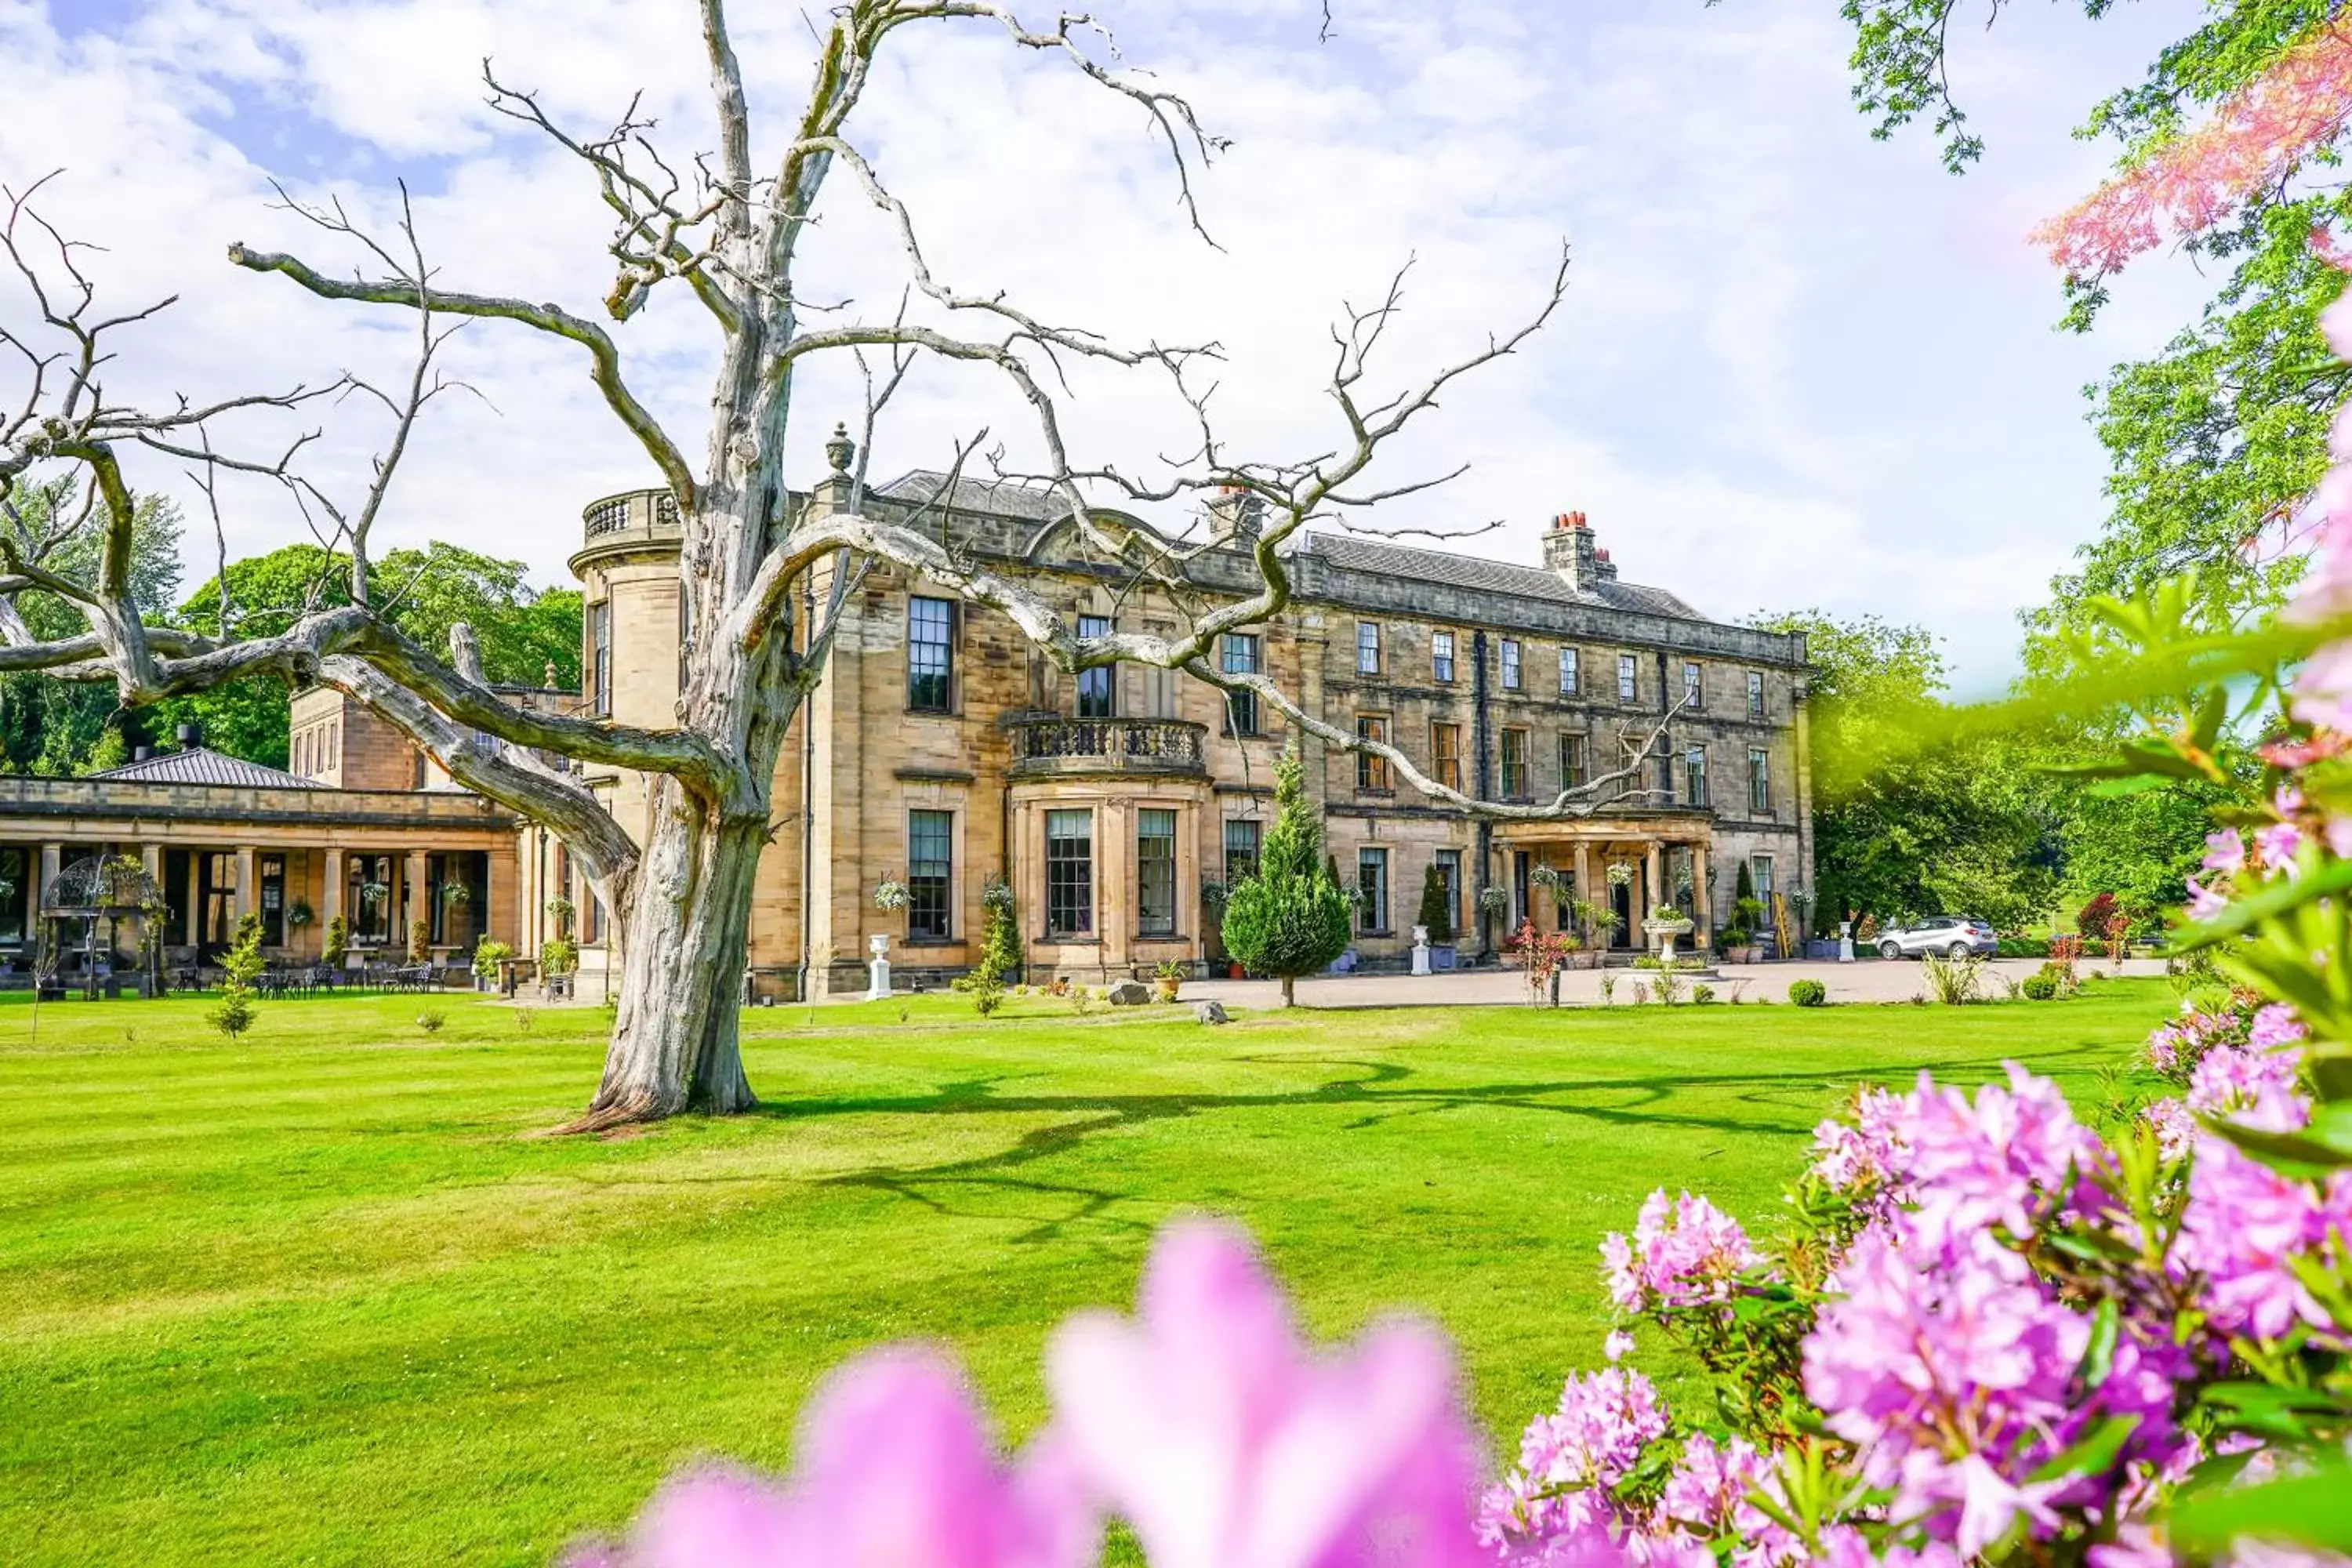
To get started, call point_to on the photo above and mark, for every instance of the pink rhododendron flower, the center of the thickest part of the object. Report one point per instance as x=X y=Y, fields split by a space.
x=2279 y=842
x=1707 y=1495
x=2203 y=902
x=2225 y=852
x=1617 y=1346
x=2242 y=1224
x=1207 y=1424
x=2257 y=1089
x=2003 y=1159
x=2275 y=1026
x=2255 y=137
x=1568 y=1460
x=893 y=1472
x=1866 y=1155
x=1682 y=1253
x=2176 y=1129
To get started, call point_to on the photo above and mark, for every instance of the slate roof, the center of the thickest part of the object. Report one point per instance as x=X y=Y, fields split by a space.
x=201 y=765
x=1005 y=498
x=1353 y=554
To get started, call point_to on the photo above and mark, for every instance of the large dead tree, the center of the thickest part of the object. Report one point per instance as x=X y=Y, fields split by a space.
x=731 y=234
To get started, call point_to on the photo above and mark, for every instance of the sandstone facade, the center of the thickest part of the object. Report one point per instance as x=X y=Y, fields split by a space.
x=943 y=752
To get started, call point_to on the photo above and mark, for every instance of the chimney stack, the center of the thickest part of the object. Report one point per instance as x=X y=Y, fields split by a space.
x=1235 y=517
x=140 y=753
x=1569 y=551
x=190 y=737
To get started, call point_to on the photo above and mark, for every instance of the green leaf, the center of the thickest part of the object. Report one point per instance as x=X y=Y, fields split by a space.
x=2099 y=1354
x=2309 y=1510
x=2093 y=1451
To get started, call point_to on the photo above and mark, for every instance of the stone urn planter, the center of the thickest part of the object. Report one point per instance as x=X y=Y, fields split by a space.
x=1665 y=932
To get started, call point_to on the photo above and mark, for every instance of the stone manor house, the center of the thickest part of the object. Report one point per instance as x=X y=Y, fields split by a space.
x=943 y=752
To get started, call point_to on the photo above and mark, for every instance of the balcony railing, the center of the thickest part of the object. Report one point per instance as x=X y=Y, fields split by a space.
x=645 y=512
x=1044 y=746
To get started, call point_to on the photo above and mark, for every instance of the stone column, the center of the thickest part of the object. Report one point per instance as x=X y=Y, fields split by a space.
x=413 y=902
x=1652 y=882
x=331 y=878
x=249 y=883
x=1115 y=885
x=1702 y=904
x=194 y=895
x=1584 y=876
x=485 y=916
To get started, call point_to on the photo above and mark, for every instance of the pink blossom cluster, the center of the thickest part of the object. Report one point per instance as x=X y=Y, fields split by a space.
x=2009 y=1159
x=1204 y=1421
x=1860 y=1158
x=1953 y=1374
x=1681 y=1254
x=1562 y=1505
x=2243 y=1230
x=2174 y=1049
x=2255 y=138
x=2253 y=1088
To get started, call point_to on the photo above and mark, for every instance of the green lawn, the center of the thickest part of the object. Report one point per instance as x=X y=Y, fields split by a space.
x=329 y=1295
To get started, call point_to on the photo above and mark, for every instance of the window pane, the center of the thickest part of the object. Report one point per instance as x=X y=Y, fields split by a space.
x=1372 y=883
x=1626 y=688
x=1445 y=754
x=1367 y=648
x=1155 y=872
x=1567 y=681
x=1240 y=654
x=929 y=851
x=1241 y=849
x=1511 y=664
x=1449 y=872
x=1755 y=695
x=1692 y=693
x=600 y=652
x=1371 y=770
x=1095 y=686
x=1695 y=767
x=1759 y=782
x=931 y=668
x=1572 y=761
x=1515 y=764
x=1070 y=872
x=1441 y=656
x=1759 y=871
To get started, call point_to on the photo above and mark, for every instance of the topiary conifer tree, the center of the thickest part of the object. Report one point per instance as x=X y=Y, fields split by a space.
x=1437 y=909
x=1292 y=918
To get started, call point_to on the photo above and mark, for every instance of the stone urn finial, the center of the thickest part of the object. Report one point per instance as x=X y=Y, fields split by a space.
x=841 y=451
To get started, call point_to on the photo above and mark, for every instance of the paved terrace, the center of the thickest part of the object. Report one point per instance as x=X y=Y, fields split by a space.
x=1864 y=980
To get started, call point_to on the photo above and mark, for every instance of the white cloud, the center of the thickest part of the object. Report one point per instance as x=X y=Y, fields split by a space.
x=1796 y=366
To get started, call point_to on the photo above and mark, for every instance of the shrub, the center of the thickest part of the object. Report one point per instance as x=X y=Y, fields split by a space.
x=1807 y=992
x=1608 y=989
x=489 y=955
x=420 y=941
x=233 y=1015
x=1702 y=995
x=559 y=955
x=1436 y=912
x=1955 y=981
x=1292 y=918
x=2040 y=986
x=1668 y=988
x=1000 y=951
x=339 y=941
x=2094 y=917
x=431 y=1020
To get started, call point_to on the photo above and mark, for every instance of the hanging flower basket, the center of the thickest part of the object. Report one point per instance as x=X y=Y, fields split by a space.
x=890 y=895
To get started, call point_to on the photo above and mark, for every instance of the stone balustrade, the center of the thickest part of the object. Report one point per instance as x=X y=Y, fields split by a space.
x=1051 y=747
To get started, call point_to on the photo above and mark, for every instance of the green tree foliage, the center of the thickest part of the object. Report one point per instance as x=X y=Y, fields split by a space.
x=1436 y=911
x=2216 y=439
x=58 y=727
x=1960 y=828
x=521 y=631
x=240 y=967
x=1292 y=918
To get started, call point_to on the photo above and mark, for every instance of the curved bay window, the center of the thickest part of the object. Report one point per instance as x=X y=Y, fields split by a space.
x=1155 y=872
x=1069 y=873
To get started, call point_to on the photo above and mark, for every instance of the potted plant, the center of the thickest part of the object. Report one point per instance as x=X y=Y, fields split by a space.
x=487 y=956
x=1168 y=975
x=1665 y=923
x=1597 y=922
x=891 y=896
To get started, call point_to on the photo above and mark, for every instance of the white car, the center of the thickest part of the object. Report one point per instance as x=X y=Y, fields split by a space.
x=1947 y=936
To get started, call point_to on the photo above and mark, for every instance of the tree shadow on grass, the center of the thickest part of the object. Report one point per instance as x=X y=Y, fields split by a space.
x=1387 y=1092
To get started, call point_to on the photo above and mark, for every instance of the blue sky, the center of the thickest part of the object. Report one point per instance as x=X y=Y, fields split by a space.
x=1797 y=366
